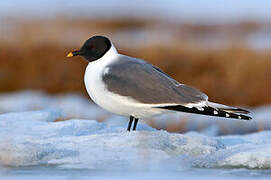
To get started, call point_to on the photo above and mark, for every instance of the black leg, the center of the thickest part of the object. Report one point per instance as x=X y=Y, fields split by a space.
x=130 y=123
x=135 y=124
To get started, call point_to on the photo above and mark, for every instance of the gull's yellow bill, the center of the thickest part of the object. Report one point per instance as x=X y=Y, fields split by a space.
x=70 y=55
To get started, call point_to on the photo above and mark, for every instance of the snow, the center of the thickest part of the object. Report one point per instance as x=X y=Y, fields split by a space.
x=74 y=106
x=69 y=132
x=32 y=138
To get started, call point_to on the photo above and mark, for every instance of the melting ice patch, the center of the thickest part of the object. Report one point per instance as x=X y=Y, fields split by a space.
x=76 y=106
x=33 y=138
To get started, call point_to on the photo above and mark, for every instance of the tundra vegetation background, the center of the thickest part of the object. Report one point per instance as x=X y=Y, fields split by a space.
x=226 y=61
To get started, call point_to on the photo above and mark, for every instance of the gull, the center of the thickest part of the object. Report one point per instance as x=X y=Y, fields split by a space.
x=134 y=88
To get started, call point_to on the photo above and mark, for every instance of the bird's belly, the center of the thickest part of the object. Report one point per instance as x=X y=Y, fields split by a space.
x=122 y=105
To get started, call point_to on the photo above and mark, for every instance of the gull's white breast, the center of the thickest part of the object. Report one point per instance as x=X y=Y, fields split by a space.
x=112 y=102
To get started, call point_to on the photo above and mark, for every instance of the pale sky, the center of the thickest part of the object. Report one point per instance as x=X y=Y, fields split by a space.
x=179 y=9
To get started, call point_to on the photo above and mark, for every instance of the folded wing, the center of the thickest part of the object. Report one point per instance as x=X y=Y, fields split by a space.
x=148 y=84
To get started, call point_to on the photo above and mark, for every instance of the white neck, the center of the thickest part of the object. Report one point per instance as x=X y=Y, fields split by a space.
x=110 y=54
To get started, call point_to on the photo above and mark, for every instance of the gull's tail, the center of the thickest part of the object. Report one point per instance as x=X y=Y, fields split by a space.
x=212 y=109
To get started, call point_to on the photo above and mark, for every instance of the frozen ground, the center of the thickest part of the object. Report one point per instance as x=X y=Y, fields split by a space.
x=31 y=141
x=75 y=106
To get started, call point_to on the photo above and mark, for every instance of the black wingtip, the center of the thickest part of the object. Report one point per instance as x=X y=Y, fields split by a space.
x=236 y=110
x=243 y=117
x=207 y=110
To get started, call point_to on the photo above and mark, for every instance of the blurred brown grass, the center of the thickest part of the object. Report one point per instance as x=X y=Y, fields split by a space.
x=233 y=75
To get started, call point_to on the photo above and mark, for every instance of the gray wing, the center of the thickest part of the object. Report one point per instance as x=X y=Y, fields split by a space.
x=147 y=84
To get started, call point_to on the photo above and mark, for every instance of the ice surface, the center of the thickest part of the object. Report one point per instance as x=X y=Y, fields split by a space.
x=33 y=139
x=74 y=106
x=30 y=136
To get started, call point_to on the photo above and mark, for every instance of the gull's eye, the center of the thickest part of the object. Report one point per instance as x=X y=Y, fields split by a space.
x=91 y=46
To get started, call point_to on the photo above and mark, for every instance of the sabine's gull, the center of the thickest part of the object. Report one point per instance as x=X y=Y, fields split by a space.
x=137 y=89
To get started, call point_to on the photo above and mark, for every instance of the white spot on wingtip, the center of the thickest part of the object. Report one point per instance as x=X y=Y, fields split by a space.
x=239 y=117
x=200 y=108
x=227 y=115
x=215 y=112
